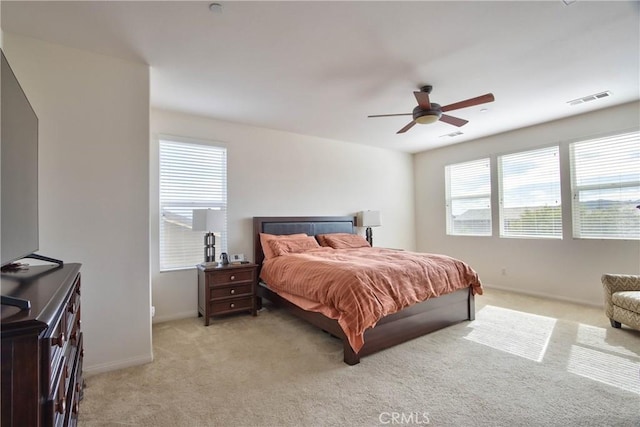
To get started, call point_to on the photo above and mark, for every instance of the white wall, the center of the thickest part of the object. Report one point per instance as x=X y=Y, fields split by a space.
x=564 y=269
x=1 y=32
x=273 y=173
x=94 y=187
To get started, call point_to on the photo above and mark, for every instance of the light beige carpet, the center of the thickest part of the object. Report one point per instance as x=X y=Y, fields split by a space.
x=524 y=361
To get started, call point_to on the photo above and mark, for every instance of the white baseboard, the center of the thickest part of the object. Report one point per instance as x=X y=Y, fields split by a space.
x=112 y=366
x=543 y=295
x=175 y=316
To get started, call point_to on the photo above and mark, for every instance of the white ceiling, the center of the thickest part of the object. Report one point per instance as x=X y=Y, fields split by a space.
x=319 y=68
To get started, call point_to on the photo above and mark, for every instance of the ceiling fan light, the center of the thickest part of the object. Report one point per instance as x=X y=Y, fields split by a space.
x=427 y=119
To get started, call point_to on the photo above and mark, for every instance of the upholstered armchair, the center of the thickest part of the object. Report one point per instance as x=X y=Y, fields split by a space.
x=622 y=299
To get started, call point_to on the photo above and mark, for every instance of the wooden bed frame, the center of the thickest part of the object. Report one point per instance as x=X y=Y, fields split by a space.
x=411 y=322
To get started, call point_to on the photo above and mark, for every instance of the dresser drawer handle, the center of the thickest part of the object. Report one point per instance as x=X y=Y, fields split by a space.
x=232 y=291
x=61 y=405
x=59 y=340
x=232 y=305
x=233 y=277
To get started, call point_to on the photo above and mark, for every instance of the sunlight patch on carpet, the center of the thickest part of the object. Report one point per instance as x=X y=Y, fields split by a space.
x=593 y=336
x=522 y=334
x=609 y=363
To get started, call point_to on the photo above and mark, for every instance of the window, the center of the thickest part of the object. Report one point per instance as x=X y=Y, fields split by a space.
x=605 y=183
x=530 y=194
x=469 y=198
x=192 y=176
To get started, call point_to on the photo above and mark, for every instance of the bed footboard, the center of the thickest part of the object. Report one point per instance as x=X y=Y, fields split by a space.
x=400 y=327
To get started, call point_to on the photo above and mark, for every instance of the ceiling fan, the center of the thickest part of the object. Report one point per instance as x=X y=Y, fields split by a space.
x=429 y=112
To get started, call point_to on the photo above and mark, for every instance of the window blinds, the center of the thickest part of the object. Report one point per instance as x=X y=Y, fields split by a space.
x=530 y=204
x=469 y=198
x=605 y=183
x=192 y=176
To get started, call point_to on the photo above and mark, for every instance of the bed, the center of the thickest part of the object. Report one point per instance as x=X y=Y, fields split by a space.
x=411 y=322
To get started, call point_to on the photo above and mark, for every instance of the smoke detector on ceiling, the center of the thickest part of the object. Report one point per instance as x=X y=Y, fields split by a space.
x=215 y=7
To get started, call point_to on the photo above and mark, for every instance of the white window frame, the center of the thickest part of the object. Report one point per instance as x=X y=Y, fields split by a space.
x=186 y=249
x=617 y=168
x=504 y=187
x=471 y=198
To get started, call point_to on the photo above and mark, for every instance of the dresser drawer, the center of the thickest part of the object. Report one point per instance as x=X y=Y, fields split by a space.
x=55 y=406
x=56 y=346
x=231 y=291
x=217 y=278
x=74 y=390
x=231 y=305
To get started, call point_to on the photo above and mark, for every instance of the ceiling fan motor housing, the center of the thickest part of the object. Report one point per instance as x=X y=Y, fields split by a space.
x=423 y=117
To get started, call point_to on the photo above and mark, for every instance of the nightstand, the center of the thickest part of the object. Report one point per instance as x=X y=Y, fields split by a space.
x=224 y=289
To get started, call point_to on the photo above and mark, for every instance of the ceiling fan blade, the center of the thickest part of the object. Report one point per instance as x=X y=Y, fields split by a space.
x=453 y=120
x=469 y=102
x=423 y=100
x=390 y=115
x=407 y=127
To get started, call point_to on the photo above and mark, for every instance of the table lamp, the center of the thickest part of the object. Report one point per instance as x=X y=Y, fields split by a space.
x=369 y=219
x=211 y=221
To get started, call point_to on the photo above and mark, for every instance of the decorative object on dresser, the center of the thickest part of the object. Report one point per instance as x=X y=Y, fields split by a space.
x=209 y=220
x=369 y=219
x=224 y=289
x=42 y=350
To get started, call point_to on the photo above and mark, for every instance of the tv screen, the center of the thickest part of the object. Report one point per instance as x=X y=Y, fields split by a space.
x=19 y=173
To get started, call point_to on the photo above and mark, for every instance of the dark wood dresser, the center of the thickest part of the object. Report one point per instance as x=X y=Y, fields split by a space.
x=224 y=289
x=42 y=348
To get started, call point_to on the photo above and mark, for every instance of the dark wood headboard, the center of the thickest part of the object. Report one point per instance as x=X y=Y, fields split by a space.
x=310 y=225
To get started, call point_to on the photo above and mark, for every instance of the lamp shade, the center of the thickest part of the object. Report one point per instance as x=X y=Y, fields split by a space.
x=369 y=219
x=210 y=220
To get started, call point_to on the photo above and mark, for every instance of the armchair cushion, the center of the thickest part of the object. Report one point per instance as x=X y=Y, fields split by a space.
x=629 y=300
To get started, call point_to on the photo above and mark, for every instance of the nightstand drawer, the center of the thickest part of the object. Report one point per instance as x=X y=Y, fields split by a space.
x=218 y=278
x=232 y=304
x=231 y=291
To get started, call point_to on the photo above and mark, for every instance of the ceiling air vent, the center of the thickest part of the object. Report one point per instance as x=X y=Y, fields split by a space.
x=589 y=98
x=452 y=134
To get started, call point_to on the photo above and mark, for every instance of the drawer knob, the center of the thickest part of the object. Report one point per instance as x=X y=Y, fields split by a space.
x=61 y=405
x=232 y=291
x=233 y=277
x=59 y=340
x=232 y=305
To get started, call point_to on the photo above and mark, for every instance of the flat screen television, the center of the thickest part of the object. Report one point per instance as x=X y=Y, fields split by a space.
x=19 y=173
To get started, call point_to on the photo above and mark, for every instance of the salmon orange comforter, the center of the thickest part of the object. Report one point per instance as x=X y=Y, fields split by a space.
x=362 y=285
